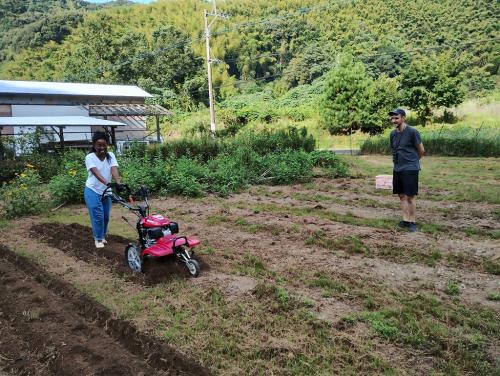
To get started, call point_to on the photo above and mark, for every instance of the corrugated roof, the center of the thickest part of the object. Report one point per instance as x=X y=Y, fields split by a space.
x=57 y=121
x=70 y=89
x=127 y=110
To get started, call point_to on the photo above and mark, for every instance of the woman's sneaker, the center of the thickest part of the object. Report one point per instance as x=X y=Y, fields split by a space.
x=412 y=227
x=99 y=244
x=104 y=241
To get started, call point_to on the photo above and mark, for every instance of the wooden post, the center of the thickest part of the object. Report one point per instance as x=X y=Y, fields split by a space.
x=113 y=136
x=1 y=145
x=158 y=137
x=61 y=138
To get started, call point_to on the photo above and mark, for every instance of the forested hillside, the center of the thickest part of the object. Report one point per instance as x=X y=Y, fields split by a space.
x=30 y=24
x=445 y=49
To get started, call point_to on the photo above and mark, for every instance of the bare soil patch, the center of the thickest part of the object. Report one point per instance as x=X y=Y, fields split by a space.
x=47 y=327
x=76 y=240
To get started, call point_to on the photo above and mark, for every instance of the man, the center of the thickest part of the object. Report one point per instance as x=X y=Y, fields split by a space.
x=407 y=149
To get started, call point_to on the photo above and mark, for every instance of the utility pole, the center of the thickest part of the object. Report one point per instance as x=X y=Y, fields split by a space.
x=213 y=14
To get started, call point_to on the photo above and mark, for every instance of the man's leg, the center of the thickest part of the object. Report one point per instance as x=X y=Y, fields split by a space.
x=404 y=207
x=411 y=205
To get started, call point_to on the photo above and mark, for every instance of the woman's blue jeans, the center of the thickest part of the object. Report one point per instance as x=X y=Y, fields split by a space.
x=99 y=211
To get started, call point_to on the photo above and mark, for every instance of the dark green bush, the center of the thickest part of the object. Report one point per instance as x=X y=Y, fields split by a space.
x=187 y=178
x=152 y=173
x=331 y=163
x=287 y=167
x=275 y=141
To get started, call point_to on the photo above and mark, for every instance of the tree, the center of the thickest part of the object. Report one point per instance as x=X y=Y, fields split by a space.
x=432 y=82
x=384 y=95
x=307 y=66
x=346 y=99
x=105 y=53
x=171 y=60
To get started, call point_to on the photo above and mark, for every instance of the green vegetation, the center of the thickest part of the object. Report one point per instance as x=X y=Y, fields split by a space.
x=24 y=195
x=441 y=178
x=448 y=140
x=450 y=330
x=452 y=289
x=279 y=59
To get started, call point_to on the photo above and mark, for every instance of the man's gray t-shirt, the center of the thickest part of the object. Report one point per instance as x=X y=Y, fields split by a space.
x=404 y=149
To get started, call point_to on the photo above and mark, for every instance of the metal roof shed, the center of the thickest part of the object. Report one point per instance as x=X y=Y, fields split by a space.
x=60 y=122
x=62 y=93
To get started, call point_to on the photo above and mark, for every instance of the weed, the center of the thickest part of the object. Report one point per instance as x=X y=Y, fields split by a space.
x=491 y=267
x=452 y=289
x=251 y=265
x=495 y=296
x=207 y=251
x=282 y=296
x=330 y=286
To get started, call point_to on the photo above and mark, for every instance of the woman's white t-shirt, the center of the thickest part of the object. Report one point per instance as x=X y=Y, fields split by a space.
x=104 y=168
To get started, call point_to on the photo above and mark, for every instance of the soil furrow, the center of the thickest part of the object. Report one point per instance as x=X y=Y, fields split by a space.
x=49 y=327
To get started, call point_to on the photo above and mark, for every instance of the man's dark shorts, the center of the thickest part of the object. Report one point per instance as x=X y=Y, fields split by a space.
x=405 y=182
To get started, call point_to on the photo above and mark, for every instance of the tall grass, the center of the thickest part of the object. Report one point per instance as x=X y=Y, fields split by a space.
x=447 y=141
x=205 y=148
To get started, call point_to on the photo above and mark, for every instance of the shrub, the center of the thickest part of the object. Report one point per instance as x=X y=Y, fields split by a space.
x=333 y=165
x=187 y=178
x=9 y=169
x=23 y=195
x=227 y=174
x=287 y=167
x=459 y=142
x=202 y=148
x=68 y=185
x=153 y=173
x=275 y=141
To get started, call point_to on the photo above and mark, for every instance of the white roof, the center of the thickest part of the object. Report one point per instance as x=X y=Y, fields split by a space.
x=58 y=121
x=63 y=88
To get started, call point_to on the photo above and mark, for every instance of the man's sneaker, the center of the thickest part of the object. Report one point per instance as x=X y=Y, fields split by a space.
x=104 y=241
x=412 y=227
x=404 y=224
x=99 y=244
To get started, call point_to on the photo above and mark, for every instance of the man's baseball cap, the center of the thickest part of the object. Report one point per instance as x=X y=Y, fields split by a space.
x=397 y=111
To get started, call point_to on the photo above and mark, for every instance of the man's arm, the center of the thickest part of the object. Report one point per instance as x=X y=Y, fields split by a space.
x=420 y=150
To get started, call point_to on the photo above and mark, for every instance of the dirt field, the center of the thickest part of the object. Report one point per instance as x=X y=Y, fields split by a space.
x=307 y=279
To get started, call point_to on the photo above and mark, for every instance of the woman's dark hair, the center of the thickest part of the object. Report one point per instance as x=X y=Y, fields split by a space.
x=100 y=136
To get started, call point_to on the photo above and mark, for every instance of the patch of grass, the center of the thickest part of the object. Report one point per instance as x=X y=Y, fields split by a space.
x=402 y=255
x=447 y=330
x=317 y=197
x=452 y=289
x=251 y=265
x=247 y=226
x=330 y=286
x=216 y=219
x=207 y=251
x=441 y=178
x=494 y=296
x=474 y=231
x=491 y=267
x=348 y=218
x=350 y=244
x=67 y=216
x=4 y=224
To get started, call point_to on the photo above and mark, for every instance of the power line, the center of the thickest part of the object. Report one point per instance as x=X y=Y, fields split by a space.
x=359 y=56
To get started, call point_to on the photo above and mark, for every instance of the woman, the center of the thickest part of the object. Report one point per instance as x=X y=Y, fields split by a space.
x=101 y=166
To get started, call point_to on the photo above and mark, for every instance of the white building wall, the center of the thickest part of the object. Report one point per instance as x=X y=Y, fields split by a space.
x=84 y=133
